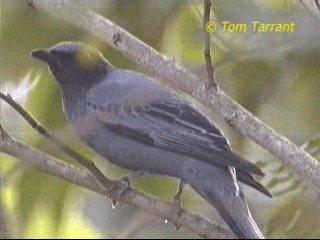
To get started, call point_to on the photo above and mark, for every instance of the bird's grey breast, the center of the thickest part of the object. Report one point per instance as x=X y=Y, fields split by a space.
x=80 y=117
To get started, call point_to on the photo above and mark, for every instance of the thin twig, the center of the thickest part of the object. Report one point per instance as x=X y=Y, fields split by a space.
x=47 y=164
x=206 y=40
x=89 y=165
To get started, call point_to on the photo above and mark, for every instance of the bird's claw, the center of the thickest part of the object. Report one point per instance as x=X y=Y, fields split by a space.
x=124 y=184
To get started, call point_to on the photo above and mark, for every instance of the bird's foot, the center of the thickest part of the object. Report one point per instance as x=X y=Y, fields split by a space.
x=176 y=200
x=124 y=184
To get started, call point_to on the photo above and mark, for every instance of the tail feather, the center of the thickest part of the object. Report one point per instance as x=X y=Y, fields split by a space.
x=219 y=187
x=246 y=178
x=236 y=214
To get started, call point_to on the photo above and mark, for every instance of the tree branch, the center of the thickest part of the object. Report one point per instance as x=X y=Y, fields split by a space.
x=182 y=79
x=206 y=40
x=89 y=165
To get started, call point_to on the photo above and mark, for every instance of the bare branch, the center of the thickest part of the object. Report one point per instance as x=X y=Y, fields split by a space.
x=181 y=79
x=206 y=40
x=89 y=165
x=84 y=178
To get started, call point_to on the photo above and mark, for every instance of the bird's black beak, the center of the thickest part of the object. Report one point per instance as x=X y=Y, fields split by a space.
x=47 y=57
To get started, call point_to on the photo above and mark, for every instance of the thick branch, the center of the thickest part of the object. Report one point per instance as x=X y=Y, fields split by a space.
x=180 y=78
x=84 y=178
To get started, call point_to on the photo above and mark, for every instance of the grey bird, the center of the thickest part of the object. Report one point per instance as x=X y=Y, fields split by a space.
x=143 y=126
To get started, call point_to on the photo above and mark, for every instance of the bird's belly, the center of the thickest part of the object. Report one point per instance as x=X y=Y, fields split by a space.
x=135 y=156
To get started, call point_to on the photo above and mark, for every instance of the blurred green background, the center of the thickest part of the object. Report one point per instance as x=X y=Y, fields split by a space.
x=274 y=75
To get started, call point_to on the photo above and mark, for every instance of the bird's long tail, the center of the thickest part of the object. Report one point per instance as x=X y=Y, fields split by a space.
x=219 y=187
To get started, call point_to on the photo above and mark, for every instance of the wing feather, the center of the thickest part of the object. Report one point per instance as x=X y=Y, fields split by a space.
x=172 y=126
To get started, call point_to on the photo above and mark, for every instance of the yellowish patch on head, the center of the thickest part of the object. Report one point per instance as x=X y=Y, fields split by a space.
x=87 y=58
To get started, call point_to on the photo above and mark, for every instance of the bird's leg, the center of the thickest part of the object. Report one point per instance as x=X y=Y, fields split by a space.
x=125 y=181
x=177 y=196
x=177 y=199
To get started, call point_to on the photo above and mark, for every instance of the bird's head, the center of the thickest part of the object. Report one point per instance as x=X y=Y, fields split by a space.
x=74 y=63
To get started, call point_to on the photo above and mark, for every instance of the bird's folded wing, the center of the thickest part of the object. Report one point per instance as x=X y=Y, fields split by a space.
x=171 y=125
